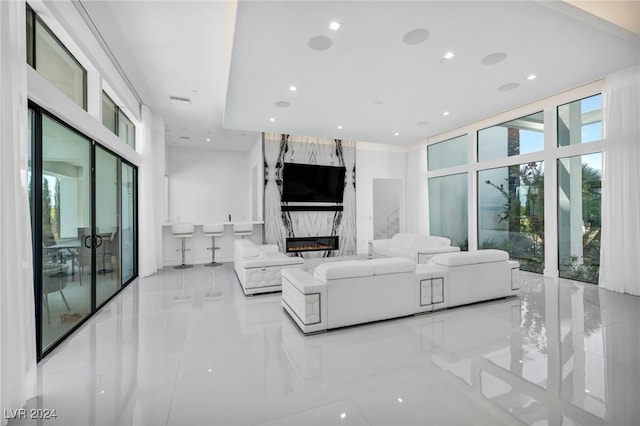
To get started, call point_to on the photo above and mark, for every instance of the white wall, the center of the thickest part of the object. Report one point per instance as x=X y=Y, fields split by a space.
x=376 y=161
x=416 y=189
x=207 y=185
x=159 y=178
x=256 y=189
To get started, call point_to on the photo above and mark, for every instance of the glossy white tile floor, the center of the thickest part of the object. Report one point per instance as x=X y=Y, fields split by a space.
x=163 y=353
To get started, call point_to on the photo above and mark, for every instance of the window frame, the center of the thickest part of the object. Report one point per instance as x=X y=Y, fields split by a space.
x=31 y=47
x=548 y=155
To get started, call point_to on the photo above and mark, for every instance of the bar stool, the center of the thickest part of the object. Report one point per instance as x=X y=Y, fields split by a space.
x=242 y=229
x=213 y=230
x=182 y=231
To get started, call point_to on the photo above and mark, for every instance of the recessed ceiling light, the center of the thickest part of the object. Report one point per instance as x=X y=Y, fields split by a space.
x=272 y=119
x=445 y=113
x=399 y=399
x=339 y=127
x=396 y=134
x=208 y=139
x=343 y=415
x=335 y=25
x=293 y=88
x=532 y=77
x=449 y=55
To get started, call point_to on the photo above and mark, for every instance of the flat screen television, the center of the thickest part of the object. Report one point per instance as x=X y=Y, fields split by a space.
x=312 y=183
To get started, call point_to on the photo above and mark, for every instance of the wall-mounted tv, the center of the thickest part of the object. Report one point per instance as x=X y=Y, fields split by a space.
x=312 y=183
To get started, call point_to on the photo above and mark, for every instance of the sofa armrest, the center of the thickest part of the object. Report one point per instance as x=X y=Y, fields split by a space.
x=305 y=299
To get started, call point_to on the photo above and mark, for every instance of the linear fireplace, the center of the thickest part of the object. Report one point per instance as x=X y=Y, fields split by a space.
x=297 y=244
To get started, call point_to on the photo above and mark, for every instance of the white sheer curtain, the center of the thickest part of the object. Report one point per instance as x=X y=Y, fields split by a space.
x=620 y=245
x=17 y=320
x=147 y=212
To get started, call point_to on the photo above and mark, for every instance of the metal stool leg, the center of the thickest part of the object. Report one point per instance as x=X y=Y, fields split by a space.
x=213 y=249
x=183 y=265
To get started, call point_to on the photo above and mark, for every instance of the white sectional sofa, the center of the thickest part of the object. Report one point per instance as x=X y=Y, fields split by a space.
x=416 y=247
x=349 y=292
x=259 y=267
x=453 y=279
x=344 y=293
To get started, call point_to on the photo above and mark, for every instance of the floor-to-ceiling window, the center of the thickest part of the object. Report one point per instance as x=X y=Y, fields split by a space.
x=83 y=203
x=448 y=211
x=511 y=197
x=579 y=189
x=448 y=202
x=66 y=209
x=511 y=177
x=511 y=212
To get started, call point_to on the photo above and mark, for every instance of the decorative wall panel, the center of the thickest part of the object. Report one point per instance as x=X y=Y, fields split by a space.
x=279 y=225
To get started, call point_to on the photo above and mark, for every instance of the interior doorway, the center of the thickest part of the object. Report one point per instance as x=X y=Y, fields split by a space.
x=387 y=212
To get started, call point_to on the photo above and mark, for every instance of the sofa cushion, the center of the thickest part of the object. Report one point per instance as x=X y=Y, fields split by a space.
x=403 y=240
x=401 y=252
x=343 y=269
x=384 y=250
x=422 y=242
x=470 y=257
x=392 y=265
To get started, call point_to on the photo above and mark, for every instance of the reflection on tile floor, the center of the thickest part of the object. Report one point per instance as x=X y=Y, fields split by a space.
x=167 y=352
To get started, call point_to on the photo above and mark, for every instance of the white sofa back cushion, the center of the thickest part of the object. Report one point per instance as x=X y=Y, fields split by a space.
x=470 y=257
x=403 y=240
x=343 y=269
x=422 y=242
x=392 y=265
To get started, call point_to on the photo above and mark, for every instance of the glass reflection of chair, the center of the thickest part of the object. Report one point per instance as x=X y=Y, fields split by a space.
x=84 y=251
x=108 y=237
x=53 y=280
x=54 y=251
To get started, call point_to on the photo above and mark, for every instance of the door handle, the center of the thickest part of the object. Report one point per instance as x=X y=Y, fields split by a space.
x=87 y=242
x=98 y=241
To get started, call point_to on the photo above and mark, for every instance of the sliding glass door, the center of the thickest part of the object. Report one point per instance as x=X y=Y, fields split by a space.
x=128 y=208
x=65 y=212
x=83 y=206
x=107 y=225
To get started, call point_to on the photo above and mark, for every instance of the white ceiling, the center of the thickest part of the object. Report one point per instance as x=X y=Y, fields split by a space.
x=369 y=81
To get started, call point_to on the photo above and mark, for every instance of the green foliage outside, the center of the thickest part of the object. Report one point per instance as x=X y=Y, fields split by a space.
x=525 y=241
x=587 y=268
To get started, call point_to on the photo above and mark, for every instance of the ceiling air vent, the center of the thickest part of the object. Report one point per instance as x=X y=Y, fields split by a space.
x=185 y=138
x=180 y=99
